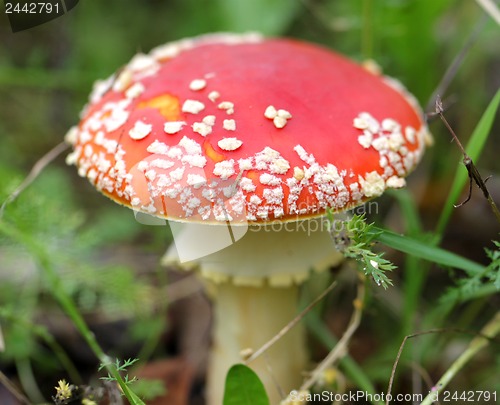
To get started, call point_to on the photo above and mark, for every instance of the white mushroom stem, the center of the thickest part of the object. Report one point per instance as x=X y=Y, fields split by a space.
x=254 y=286
x=246 y=318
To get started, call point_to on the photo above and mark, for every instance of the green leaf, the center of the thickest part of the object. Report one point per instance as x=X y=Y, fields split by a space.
x=428 y=252
x=243 y=387
x=474 y=148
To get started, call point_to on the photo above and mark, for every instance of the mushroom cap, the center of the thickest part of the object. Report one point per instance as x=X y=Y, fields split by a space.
x=239 y=128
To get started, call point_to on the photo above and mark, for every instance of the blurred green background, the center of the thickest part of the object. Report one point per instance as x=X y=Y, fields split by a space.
x=110 y=263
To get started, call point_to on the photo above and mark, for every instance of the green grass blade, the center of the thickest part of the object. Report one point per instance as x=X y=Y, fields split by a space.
x=474 y=148
x=65 y=301
x=415 y=272
x=243 y=387
x=426 y=251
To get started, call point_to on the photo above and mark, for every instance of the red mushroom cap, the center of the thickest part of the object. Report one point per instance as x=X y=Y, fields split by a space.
x=240 y=128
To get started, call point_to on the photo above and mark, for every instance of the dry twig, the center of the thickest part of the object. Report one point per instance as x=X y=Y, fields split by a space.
x=13 y=390
x=290 y=325
x=398 y=356
x=486 y=333
x=472 y=170
x=489 y=331
x=340 y=348
x=34 y=173
x=491 y=9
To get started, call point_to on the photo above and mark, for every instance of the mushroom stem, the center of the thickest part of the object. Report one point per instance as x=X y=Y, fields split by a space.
x=254 y=286
x=246 y=318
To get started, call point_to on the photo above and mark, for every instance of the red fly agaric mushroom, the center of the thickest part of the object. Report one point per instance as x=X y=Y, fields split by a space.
x=240 y=130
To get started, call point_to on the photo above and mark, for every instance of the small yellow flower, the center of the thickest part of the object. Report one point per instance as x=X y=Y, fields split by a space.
x=330 y=376
x=63 y=390
x=86 y=401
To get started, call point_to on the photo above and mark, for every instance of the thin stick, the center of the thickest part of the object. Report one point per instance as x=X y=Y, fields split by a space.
x=341 y=347
x=423 y=374
x=34 y=173
x=276 y=383
x=469 y=165
x=489 y=331
x=439 y=111
x=290 y=325
x=400 y=351
x=481 y=335
x=491 y=9
x=4 y=380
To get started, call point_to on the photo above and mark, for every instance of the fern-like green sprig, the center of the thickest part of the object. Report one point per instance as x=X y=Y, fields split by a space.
x=355 y=239
x=474 y=282
x=121 y=368
x=494 y=266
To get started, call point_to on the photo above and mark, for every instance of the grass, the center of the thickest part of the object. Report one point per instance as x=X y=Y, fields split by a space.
x=51 y=242
x=69 y=307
